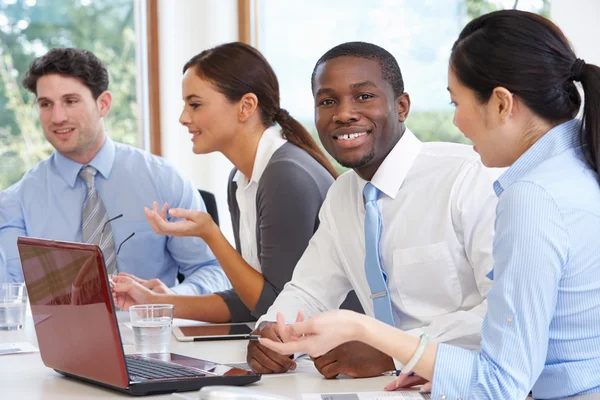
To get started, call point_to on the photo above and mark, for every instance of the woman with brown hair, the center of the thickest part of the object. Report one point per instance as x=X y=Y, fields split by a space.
x=275 y=191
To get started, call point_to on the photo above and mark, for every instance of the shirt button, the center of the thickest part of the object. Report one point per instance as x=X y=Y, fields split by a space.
x=442 y=397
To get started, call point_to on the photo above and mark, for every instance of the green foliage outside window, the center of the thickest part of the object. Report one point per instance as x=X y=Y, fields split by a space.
x=28 y=29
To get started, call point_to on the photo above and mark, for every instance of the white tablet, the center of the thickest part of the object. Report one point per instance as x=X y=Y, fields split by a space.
x=212 y=332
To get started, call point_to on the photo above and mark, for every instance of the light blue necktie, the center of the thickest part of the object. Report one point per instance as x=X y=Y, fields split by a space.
x=376 y=276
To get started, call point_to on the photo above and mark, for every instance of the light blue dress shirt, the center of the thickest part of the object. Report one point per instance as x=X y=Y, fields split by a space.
x=542 y=327
x=47 y=203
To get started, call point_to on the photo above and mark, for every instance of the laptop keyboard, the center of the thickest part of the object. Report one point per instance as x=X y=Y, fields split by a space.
x=148 y=368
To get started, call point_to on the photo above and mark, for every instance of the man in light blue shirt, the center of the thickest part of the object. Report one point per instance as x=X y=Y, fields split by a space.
x=72 y=97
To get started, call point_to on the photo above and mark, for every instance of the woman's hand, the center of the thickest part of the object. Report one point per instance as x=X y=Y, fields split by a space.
x=407 y=380
x=192 y=223
x=316 y=336
x=127 y=292
x=155 y=285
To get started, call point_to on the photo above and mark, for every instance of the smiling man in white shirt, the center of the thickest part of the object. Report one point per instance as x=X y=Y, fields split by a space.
x=436 y=207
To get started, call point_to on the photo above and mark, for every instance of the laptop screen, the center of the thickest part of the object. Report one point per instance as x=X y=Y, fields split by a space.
x=72 y=309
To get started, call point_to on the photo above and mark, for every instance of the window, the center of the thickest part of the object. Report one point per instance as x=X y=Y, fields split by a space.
x=419 y=33
x=28 y=29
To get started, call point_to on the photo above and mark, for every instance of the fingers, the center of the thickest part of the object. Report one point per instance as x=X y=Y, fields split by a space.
x=325 y=359
x=282 y=348
x=270 y=333
x=331 y=370
x=266 y=361
x=183 y=213
x=281 y=328
x=131 y=288
x=163 y=211
x=276 y=364
x=287 y=332
x=409 y=381
x=426 y=388
x=391 y=386
x=405 y=381
x=160 y=225
x=132 y=277
x=122 y=281
x=257 y=367
x=153 y=284
x=153 y=219
x=266 y=357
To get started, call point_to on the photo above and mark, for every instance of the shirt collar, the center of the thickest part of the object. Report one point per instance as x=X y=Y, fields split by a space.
x=393 y=170
x=269 y=142
x=103 y=162
x=558 y=139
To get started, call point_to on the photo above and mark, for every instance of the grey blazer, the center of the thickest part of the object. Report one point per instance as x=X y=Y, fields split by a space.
x=290 y=193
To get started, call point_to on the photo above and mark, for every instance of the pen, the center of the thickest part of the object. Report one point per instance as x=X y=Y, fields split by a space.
x=395 y=373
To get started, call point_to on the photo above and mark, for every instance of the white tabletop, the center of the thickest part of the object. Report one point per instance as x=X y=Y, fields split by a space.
x=25 y=376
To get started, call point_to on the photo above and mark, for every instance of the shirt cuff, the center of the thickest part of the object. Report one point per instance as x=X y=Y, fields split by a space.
x=453 y=372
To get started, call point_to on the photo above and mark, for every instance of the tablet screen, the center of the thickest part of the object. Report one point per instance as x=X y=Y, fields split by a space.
x=215 y=330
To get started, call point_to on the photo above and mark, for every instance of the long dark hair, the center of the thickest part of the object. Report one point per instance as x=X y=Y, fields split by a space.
x=531 y=57
x=236 y=69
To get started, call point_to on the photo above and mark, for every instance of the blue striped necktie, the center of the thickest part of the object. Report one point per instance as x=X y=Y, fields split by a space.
x=93 y=219
x=374 y=271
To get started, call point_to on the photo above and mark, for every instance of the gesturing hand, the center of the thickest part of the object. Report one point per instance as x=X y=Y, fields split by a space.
x=191 y=223
x=316 y=336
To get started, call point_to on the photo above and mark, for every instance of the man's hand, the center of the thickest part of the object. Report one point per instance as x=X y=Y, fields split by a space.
x=354 y=359
x=266 y=361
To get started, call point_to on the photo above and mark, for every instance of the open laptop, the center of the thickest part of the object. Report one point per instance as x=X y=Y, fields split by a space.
x=77 y=330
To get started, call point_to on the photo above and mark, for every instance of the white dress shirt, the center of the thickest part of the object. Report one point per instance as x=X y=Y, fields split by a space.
x=269 y=143
x=437 y=208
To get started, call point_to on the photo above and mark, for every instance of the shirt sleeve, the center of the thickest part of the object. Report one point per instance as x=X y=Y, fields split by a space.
x=288 y=202
x=319 y=282
x=531 y=247
x=473 y=207
x=202 y=272
x=12 y=225
x=238 y=310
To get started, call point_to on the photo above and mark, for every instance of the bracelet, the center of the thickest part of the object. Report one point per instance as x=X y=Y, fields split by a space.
x=418 y=353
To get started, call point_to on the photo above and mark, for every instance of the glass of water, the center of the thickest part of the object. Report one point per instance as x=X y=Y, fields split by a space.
x=151 y=327
x=13 y=303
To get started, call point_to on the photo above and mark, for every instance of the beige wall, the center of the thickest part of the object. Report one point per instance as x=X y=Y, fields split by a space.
x=186 y=27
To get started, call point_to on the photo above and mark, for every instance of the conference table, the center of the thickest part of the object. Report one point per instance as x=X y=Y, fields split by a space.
x=24 y=376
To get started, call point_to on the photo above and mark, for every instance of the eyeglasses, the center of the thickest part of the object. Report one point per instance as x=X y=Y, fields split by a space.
x=116 y=271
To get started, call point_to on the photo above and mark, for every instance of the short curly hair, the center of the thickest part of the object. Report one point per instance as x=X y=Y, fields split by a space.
x=76 y=63
x=390 y=70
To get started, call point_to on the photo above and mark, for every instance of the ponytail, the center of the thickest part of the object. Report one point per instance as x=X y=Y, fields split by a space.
x=236 y=69
x=589 y=76
x=296 y=134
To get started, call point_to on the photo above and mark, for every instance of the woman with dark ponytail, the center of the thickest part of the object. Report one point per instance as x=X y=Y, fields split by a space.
x=275 y=191
x=512 y=77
